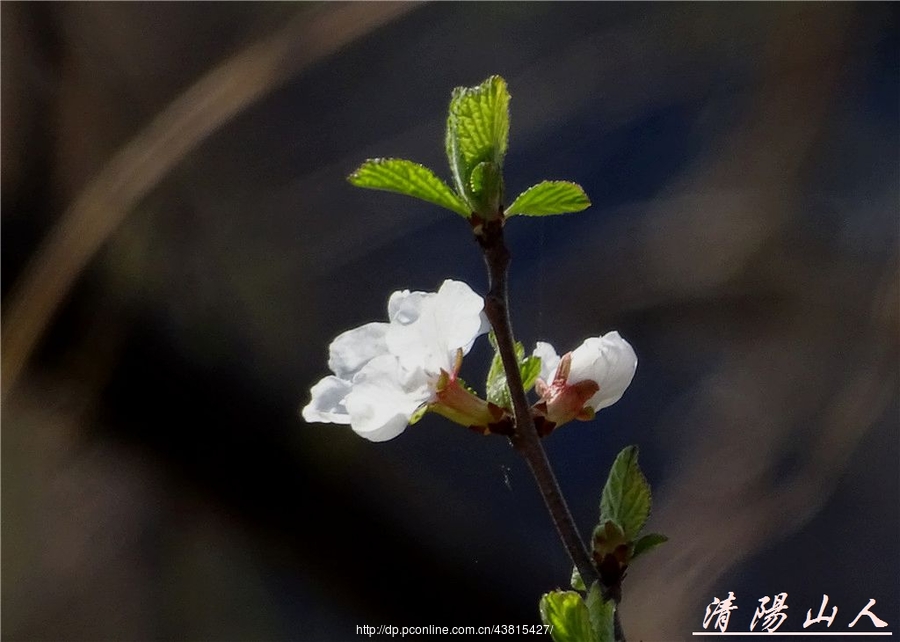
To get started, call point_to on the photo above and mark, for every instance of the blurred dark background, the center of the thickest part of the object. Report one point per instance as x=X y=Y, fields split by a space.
x=179 y=246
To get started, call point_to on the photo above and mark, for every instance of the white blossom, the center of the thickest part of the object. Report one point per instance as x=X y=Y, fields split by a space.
x=385 y=372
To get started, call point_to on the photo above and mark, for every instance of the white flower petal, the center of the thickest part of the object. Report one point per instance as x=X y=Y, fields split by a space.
x=327 y=405
x=460 y=315
x=549 y=360
x=610 y=361
x=384 y=397
x=353 y=349
x=484 y=328
x=447 y=321
x=385 y=371
x=404 y=306
x=584 y=364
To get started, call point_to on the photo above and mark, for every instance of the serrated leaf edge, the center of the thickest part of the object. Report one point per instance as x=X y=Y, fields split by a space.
x=632 y=453
x=516 y=207
x=442 y=196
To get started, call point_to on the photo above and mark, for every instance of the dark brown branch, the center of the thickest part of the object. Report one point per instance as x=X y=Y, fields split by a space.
x=526 y=440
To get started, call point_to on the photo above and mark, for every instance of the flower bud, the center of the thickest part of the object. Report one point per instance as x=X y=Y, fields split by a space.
x=593 y=376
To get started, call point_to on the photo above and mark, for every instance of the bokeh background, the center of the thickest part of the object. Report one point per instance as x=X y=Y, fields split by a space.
x=179 y=246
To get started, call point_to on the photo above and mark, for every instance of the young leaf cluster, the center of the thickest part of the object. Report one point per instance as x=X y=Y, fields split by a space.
x=476 y=140
x=624 y=509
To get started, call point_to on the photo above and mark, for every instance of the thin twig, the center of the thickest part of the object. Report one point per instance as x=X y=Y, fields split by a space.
x=526 y=440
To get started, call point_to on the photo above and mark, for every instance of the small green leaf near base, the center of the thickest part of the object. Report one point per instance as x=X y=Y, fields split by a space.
x=648 y=543
x=496 y=388
x=568 y=615
x=602 y=613
x=576 y=582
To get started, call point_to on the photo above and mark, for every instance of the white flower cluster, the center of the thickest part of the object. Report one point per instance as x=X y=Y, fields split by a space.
x=383 y=373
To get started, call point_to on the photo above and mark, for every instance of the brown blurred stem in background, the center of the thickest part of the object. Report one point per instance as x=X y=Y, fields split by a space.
x=525 y=439
x=138 y=166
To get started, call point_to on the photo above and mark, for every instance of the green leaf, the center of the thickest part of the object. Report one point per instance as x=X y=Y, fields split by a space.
x=479 y=119
x=602 y=614
x=478 y=132
x=549 y=197
x=406 y=177
x=648 y=543
x=568 y=616
x=418 y=414
x=576 y=581
x=626 y=496
x=496 y=387
x=485 y=184
x=496 y=390
x=458 y=169
x=529 y=368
